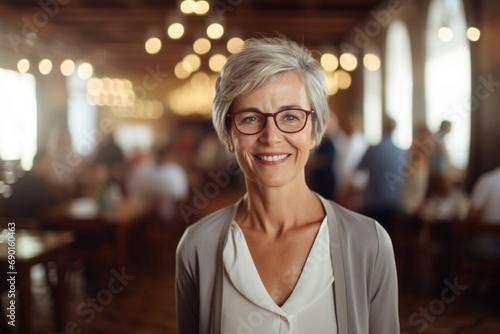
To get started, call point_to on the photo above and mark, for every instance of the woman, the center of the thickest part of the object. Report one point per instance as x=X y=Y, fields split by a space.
x=281 y=259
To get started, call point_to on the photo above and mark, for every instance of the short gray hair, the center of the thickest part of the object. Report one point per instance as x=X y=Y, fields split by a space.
x=259 y=61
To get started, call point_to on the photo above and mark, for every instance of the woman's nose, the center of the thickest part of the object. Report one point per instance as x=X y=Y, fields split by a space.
x=271 y=134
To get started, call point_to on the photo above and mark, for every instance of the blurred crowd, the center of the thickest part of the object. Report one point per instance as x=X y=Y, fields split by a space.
x=165 y=173
x=385 y=182
x=381 y=181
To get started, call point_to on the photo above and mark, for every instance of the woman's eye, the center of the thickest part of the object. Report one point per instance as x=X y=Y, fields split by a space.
x=290 y=117
x=249 y=119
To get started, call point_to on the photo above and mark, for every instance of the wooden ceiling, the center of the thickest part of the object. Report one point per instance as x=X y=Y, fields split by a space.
x=111 y=33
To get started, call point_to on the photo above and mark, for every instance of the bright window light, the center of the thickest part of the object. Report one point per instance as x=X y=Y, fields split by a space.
x=18 y=117
x=133 y=136
x=448 y=80
x=399 y=83
x=372 y=105
x=82 y=118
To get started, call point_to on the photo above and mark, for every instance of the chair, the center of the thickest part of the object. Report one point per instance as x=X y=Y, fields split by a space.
x=470 y=268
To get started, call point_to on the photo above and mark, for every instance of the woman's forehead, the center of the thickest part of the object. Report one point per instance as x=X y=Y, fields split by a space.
x=288 y=89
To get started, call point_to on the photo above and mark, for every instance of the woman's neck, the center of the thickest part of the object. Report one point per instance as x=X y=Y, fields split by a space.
x=276 y=210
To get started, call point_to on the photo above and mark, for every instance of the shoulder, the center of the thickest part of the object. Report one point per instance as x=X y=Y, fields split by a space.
x=211 y=222
x=360 y=234
x=490 y=176
x=351 y=221
x=486 y=180
x=203 y=236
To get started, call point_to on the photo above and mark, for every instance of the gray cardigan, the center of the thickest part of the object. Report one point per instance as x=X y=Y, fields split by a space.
x=365 y=286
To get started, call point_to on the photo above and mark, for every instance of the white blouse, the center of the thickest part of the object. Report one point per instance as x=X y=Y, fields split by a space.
x=248 y=308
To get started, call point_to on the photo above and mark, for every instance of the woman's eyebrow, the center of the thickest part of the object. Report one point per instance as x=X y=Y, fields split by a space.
x=247 y=109
x=290 y=106
x=283 y=107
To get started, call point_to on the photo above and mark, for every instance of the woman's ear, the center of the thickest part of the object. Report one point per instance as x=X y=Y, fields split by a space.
x=230 y=145
x=313 y=142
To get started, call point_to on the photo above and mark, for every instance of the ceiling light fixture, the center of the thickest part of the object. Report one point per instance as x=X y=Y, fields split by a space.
x=202 y=7
x=153 y=45
x=348 y=61
x=23 y=65
x=45 y=66
x=473 y=34
x=67 y=67
x=234 y=45
x=215 y=30
x=201 y=46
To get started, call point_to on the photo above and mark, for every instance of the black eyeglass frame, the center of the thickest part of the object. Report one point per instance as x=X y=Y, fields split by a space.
x=273 y=115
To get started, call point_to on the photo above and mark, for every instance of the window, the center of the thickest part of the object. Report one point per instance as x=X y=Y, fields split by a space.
x=448 y=77
x=134 y=136
x=372 y=103
x=82 y=117
x=18 y=117
x=399 y=83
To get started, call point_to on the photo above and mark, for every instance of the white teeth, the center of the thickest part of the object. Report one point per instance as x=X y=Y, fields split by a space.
x=272 y=157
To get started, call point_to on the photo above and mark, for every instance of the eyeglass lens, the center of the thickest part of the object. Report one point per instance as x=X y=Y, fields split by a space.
x=251 y=122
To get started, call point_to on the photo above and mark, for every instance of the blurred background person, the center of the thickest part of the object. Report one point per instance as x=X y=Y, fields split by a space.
x=485 y=208
x=111 y=155
x=140 y=177
x=349 y=151
x=32 y=194
x=439 y=183
x=64 y=162
x=171 y=182
x=381 y=197
x=414 y=187
x=321 y=165
x=158 y=176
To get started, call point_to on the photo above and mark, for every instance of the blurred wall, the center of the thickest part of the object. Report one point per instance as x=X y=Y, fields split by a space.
x=486 y=64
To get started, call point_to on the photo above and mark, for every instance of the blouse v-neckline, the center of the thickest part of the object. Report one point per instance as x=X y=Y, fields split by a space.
x=315 y=277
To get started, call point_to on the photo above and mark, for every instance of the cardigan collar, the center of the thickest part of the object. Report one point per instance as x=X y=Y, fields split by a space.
x=339 y=286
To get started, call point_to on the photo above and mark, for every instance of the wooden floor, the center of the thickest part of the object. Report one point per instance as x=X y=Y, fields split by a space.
x=146 y=305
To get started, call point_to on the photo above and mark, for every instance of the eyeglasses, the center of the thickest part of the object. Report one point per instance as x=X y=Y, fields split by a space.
x=253 y=122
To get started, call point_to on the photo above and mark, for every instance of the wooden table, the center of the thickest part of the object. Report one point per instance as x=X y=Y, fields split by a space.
x=34 y=247
x=84 y=215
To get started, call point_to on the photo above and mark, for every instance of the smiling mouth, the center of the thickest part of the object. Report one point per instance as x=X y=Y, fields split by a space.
x=272 y=157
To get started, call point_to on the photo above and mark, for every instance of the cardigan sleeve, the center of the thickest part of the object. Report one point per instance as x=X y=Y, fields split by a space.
x=186 y=291
x=384 y=314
